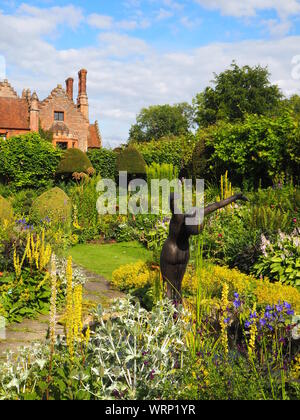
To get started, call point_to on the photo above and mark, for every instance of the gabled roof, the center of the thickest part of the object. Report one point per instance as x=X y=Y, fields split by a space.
x=14 y=114
x=94 y=139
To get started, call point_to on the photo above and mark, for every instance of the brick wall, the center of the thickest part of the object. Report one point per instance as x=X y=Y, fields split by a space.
x=59 y=101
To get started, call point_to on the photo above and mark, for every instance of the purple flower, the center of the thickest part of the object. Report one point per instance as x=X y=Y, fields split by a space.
x=152 y=375
x=262 y=322
x=226 y=320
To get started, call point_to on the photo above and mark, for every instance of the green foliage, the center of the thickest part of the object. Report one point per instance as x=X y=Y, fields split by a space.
x=268 y=220
x=161 y=171
x=85 y=215
x=6 y=210
x=294 y=104
x=54 y=205
x=28 y=161
x=104 y=162
x=22 y=201
x=28 y=297
x=281 y=260
x=257 y=149
x=159 y=121
x=131 y=161
x=46 y=135
x=177 y=151
x=74 y=160
x=129 y=356
x=238 y=91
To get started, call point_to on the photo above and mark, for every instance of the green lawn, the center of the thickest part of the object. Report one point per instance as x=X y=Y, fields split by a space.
x=104 y=259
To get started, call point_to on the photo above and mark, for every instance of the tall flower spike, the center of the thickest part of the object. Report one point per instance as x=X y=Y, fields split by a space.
x=53 y=303
x=224 y=321
x=69 y=311
x=253 y=333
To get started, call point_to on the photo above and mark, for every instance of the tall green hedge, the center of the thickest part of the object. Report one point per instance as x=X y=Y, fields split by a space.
x=104 y=162
x=177 y=151
x=27 y=161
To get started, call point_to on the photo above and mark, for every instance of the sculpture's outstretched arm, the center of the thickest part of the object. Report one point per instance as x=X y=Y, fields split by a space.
x=224 y=203
x=196 y=230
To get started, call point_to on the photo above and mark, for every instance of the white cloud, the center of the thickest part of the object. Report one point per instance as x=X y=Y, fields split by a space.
x=189 y=23
x=163 y=14
x=125 y=73
x=121 y=45
x=245 y=8
x=277 y=28
x=100 y=21
x=104 y=22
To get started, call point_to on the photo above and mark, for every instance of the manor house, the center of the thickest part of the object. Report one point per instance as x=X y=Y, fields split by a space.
x=68 y=121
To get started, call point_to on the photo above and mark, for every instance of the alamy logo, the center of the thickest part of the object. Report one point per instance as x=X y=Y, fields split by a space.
x=2 y=328
x=142 y=197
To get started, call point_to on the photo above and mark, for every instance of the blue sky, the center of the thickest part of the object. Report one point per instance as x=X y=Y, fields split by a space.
x=143 y=52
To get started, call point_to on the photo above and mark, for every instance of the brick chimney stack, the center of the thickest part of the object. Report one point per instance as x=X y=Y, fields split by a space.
x=82 y=101
x=34 y=112
x=70 y=87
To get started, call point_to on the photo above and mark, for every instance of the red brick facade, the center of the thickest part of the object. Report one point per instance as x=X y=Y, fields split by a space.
x=58 y=113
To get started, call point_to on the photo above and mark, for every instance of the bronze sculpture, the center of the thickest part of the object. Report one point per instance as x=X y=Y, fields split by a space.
x=175 y=254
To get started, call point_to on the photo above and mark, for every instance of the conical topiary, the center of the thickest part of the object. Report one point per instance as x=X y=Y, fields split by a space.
x=74 y=160
x=131 y=161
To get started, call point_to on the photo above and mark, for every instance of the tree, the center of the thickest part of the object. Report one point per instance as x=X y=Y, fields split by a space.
x=159 y=121
x=294 y=104
x=259 y=148
x=237 y=92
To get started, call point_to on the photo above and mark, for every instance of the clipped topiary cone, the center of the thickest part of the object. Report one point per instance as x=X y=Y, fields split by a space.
x=74 y=161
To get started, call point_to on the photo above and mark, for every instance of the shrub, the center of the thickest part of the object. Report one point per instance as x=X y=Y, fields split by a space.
x=28 y=161
x=281 y=260
x=131 y=161
x=132 y=276
x=104 y=162
x=54 y=205
x=131 y=355
x=74 y=160
x=211 y=279
x=6 y=210
x=264 y=292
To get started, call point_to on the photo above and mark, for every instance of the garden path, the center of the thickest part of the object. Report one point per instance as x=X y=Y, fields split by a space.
x=97 y=291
